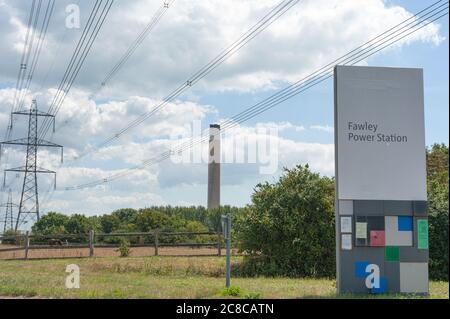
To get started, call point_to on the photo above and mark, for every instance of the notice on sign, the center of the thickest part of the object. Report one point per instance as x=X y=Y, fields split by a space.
x=422 y=234
x=346 y=242
x=361 y=230
x=346 y=224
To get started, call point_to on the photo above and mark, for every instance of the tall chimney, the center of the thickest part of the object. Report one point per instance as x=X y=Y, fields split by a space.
x=214 y=167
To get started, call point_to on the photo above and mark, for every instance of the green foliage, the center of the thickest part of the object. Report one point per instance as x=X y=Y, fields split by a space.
x=252 y=295
x=51 y=223
x=126 y=215
x=109 y=223
x=12 y=234
x=233 y=291
x=289 y=228
x=124 y=248
x=437 y=165
x=150 y=219
x=78 y=224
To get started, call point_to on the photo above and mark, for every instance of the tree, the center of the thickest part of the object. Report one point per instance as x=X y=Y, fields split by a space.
x=289 y=227
x=149 y=219
x=78 y=224
x=126 y=215
x=109 y=223
x=51 y=223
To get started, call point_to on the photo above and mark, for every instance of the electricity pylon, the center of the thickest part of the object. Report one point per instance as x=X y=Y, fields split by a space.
x=29 y=199
x=8 y=219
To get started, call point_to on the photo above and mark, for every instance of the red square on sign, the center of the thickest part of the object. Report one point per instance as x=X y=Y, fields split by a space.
x=377 y=238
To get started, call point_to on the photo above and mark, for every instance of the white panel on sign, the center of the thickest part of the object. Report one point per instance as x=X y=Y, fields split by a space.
x=345 y=207
x=380 y=133
x=414 y=277
x=394 y=236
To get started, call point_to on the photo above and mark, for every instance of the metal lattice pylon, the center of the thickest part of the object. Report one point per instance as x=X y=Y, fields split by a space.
x=8 y=218
x=29 y=199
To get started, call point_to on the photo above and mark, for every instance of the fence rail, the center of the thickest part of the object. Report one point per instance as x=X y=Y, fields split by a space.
x=160 y=239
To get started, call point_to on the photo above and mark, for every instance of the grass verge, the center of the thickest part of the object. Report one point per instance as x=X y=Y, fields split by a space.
x=160 y=277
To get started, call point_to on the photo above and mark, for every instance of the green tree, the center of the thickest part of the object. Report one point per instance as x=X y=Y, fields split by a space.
x=109 y=223
x=289 y=228
x=78 y=224
x=51 y=223
x=149 y=219
x=95 y=223
x=126 y=215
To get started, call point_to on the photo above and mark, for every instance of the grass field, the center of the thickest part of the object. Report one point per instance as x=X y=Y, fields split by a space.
x=157 y=277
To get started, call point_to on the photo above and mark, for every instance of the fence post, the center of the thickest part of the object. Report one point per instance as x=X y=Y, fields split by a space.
x=155 y=234
x=219 y=244
x=228 y=247
x=91 y=243
x=27 y=244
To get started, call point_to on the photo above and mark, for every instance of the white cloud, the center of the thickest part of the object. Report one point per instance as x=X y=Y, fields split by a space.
x=323 y=128
x=192 y=33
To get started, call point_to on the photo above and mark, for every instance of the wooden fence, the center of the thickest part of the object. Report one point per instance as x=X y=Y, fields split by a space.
x=92 y=240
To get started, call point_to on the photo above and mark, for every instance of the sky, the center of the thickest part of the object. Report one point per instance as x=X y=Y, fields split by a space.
x=190 y=34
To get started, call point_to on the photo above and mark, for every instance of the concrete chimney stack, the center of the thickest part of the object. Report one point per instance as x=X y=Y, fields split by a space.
x=214 y=167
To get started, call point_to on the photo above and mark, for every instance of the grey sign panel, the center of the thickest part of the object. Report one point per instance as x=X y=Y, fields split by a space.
x=380 y=180
x=380 y=149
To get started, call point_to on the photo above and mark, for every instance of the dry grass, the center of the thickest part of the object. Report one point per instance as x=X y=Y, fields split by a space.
x=105 y=252
x=157 y=277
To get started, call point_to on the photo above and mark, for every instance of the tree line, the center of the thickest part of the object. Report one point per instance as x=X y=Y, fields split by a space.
x=288 y=229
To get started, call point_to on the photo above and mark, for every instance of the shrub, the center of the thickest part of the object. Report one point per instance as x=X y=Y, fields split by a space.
x=289 y=228
x=124 y=248
x=12 y=237
x=233 y=291
x=252 y=295
x=437 y=169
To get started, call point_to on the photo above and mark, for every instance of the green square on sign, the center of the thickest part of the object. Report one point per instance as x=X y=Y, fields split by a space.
x=392 y=253
x=422 y=234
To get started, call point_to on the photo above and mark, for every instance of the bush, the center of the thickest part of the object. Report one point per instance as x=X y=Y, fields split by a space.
x=124 y=248
x=289 y=228
x=233 y=291
x=13 y=237
x=252 y=295
x=437 y=170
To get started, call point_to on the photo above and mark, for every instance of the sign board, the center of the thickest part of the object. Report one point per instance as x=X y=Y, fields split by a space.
x=380 y=133
x=380 y=180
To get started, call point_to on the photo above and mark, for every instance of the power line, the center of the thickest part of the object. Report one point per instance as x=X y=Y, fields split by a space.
x=84 y=45
x=260 y=26
x=22 y=67
x=150 y=26
x=380 y=42
x=29 y=40
x=134 y=45
x=34 y=62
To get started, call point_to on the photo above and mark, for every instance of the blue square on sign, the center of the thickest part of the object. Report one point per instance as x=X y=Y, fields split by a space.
x=360 y=269
x=405 y=223
x=383 y=287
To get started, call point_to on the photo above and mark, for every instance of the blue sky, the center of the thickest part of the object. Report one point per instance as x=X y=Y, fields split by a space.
x=310 y=35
